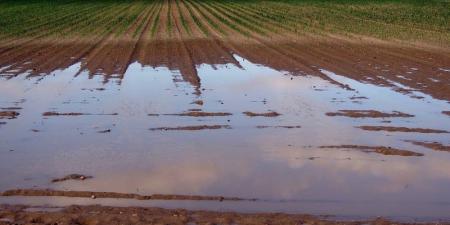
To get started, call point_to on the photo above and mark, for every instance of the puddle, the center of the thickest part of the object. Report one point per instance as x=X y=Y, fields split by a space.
x=284 y=168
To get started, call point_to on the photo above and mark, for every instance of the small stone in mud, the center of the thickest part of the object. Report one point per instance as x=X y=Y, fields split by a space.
x=93 y=197
x=72 y=177
x=266 y=114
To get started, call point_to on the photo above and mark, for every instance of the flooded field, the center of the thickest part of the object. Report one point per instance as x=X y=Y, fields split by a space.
x=224 y=112
x=262 y=133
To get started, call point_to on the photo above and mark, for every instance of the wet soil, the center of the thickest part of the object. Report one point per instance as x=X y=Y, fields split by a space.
x=72 y=177
x=8 y=114
x=368 y=113
x=402 y=129
x=287 y=127
x=90 y=194
x=377 y=149
x=432 y=145
x=200 y=114
x=193 y=128
x=77 y=114
x=88 y=215
x=264 y=114
x=446 y=113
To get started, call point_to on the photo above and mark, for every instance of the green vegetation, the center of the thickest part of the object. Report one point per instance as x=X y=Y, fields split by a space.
x=411 y=20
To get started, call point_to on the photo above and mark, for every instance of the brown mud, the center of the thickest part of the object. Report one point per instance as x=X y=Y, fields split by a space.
x=200 y=114
x=287 y=127
x=264 y=114
x=72 y=177
x=193 y=128
x=401 y=129
x=305 y=57
x=8 y=114
x=95 y=214
x=376 y=149
x=368 y=114
x=91 y=194
x=77 y=114
x=432 y=145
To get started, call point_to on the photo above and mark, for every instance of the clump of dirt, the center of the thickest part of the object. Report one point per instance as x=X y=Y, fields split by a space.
x=287 y=127
x=96 y=214
x=432 y=145
x=93 y=194
x=193 y=128
x=377 y=149
x=401 y=129
x=446 y=113
x=72 y=177
x=77 y=114
x=153 y=114
x=265 y=114
x=200 y=114
x=368 y=113
x=8 y=114
x=11 y=108
x=197 y=102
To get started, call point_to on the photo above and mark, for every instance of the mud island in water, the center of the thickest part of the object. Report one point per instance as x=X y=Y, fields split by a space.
x=224 y=112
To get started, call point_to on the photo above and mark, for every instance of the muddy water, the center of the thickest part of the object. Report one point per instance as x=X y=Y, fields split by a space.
x=280 y=160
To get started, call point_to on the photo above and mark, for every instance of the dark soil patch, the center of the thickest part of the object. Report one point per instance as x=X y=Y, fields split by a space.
x=193 y=128
x=72 y=177
x=401 y=129
x=368 y=113
x=432 y=145
x=377 y=149
x=266 y=114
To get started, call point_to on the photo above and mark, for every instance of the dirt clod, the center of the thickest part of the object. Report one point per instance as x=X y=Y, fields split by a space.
x=264 y=114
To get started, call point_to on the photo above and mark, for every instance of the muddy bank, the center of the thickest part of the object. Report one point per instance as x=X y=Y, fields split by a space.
x=91 y=194
x=446 y=113
x=368 y=114
x=401 y=129
x=264 y=114
x=71 y=177
x=376 y=149
x=95 y=214
x=192 y=128
x=432 y=145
